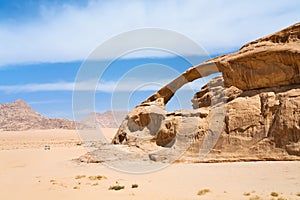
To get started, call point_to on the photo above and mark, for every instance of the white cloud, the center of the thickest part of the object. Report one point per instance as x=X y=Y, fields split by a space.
x=109 y=86
x=61 y=86
x=83 y=86
x=42 y=102
x=71 y=33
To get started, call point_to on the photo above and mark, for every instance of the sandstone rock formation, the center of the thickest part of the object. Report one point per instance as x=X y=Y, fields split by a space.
x=19 y=116
x=251 y=113
x=270 y=61
x=261 y=124
x=267 y=62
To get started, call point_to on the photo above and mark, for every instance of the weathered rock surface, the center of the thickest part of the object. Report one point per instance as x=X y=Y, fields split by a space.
x=260 y=124
x=271 y=61
x=19 y=116
x=251 y=113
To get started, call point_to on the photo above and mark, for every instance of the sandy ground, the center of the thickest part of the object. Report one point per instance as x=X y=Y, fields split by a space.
x=27 y=171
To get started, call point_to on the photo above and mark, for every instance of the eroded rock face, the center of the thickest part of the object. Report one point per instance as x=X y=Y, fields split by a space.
x=243 y=114
x=261 y=100
x=258 y=121
x=286 y=124
x=19 y=116
x=143 y=121
x=267 y=62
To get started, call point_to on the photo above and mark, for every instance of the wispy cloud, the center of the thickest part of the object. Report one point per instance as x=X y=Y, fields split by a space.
x=83 y=86
x=72 y=32
x=108 y=87
x=42 y=102
x=33 y=87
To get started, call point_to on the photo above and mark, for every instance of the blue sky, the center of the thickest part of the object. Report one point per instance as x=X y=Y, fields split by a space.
x=43 y=43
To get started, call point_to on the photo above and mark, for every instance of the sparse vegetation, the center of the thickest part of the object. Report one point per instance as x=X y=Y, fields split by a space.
x=246 y=194
x=95 y=184
x=274 y=194
x=281 y=198
x=255 y=198
x=80 y=176
x=134 y=186
x=116 y=187
x=76 y=187
x=94 y=178
x=298 y=194
x=203 y=192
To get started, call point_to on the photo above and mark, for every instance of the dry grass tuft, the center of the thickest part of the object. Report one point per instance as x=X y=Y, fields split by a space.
x=255 y=198
x=246 y=194
x=116 y=187
x=274 y=194
x=80 y=176
x=281 y=198
x=203 y=192
x=94 y=178
x=76 y=187
x=95 y=184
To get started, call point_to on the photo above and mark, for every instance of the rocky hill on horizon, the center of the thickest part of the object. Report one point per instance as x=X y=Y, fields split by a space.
x=108 y=119
x=19 y=116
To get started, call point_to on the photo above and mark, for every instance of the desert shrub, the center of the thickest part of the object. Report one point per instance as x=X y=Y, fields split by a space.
x=53 y=182
x=255 y=198
x=76 y=187
x=281 y=198
x=134 y=186
x=203 y=191
x=94 y=178
x=274 y=194
x=80 y=176
x=116 y=187
x=246 y=194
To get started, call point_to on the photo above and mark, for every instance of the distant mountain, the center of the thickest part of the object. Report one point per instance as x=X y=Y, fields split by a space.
x=19 y=116
x=108 y=119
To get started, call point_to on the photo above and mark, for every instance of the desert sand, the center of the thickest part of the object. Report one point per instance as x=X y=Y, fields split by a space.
x=27 y=171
